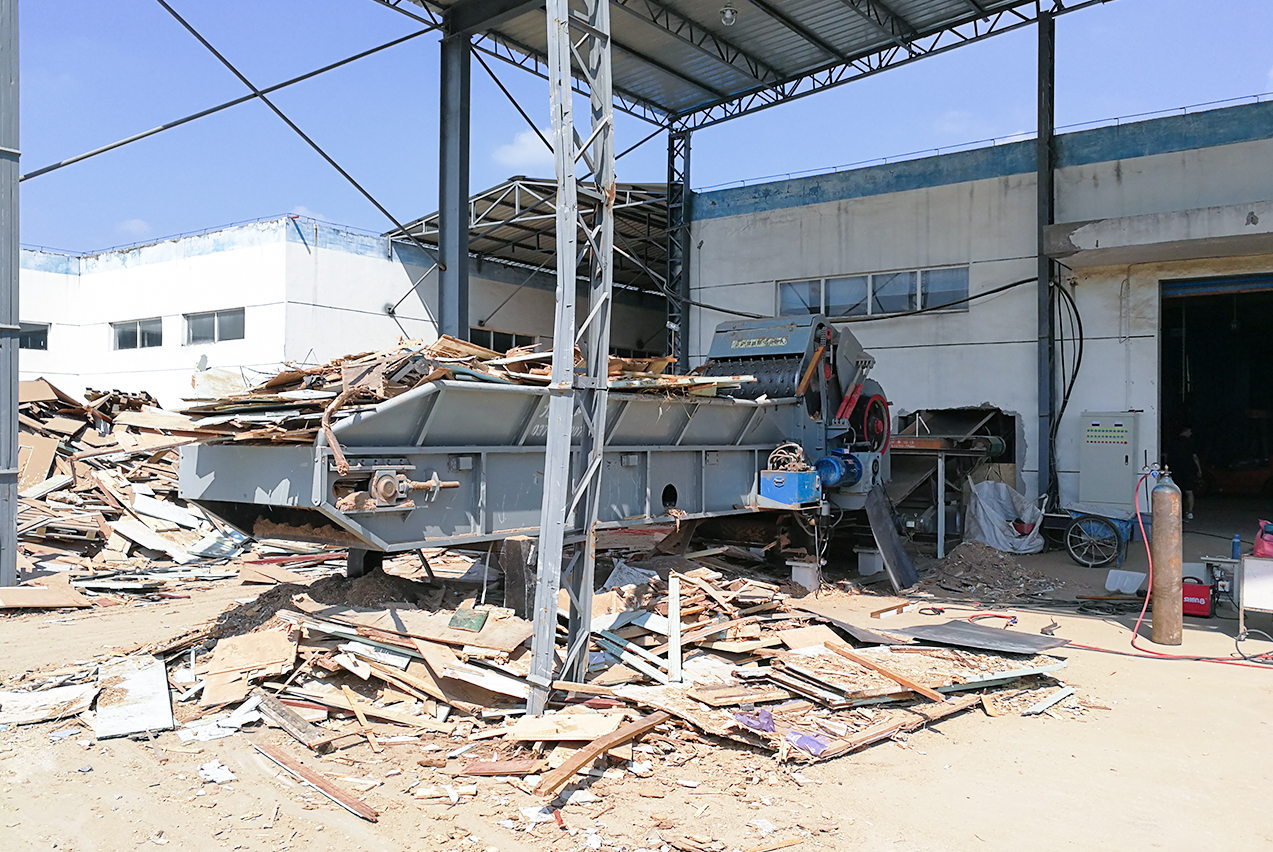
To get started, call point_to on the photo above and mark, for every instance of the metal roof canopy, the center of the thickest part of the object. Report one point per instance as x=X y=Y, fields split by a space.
x=515 y=222
x=677 y=65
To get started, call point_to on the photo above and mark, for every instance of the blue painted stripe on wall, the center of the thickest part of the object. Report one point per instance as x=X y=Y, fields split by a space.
x=48 y=261
x=1246 y=123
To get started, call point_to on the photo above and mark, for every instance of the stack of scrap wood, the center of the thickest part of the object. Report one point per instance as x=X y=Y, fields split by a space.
x=98 y=509
x=289 y=407
x=690 y=652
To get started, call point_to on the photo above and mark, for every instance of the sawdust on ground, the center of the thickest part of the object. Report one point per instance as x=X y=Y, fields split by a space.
x=976 y=570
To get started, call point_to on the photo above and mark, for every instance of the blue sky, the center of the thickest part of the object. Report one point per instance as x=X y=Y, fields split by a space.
x=94 y=72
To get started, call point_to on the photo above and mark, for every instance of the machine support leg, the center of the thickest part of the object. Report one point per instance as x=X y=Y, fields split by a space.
x=1046 y=216
x=453 y=189
x=8 y=292
x=362 y=562
x=941 y=505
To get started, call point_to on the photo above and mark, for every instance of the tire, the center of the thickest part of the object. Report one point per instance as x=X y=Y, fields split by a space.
x=1093 y=541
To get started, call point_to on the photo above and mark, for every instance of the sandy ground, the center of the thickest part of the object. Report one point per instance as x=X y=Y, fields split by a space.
x=1183 y=759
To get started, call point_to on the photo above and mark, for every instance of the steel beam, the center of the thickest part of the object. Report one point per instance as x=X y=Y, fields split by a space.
x=1046 y=214
x=572 y=493
x=678 y=248
x=978 y=24
x=8 y=292
x=470 y=16
x=896 y=28
x=453 y=188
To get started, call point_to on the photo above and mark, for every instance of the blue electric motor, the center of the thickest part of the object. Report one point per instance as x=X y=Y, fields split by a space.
x=840 y=468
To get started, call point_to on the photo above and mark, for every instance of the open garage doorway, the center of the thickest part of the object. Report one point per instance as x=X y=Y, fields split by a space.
x=1217 y=379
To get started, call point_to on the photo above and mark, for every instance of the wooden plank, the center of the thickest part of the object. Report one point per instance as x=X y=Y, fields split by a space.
x=53 y=483
x=552 y=782
x=53 y=596
x=807 y=637
x=698 y=633
x=291 y=722
x=730 y=694
x=319 y=783
x=251 y=572
x=913 y=686
x=562 y=727
x=338 y=701
x=362 y=719
x=35 y=458
x=64 y=425
x=525 y=766
x=139 y=533
x=23 y=708
x=134 y=697
x=582 y=688
x=157 y=419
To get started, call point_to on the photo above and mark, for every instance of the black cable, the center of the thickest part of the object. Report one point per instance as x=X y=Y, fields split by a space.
x=206 y=112
x=301 y=133
x=1265 y=657
x=945 y=307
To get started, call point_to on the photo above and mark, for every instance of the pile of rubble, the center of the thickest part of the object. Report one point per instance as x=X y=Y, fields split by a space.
x=977 y=571
x=419 y=693
x=299 y=402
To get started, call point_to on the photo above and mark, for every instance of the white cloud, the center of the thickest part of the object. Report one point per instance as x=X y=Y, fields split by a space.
x=302 y=210
x=134 y=229
x=526 y=154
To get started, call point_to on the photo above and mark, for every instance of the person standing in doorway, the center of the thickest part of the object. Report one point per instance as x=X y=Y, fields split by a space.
x=1186 y=469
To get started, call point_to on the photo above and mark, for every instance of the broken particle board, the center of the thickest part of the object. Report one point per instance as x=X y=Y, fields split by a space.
x=24 y=708
x=807 y=637
x=500 y=634
x=134 y=697
x=268 y=574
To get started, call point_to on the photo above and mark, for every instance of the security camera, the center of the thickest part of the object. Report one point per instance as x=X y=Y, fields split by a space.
x=728 y=14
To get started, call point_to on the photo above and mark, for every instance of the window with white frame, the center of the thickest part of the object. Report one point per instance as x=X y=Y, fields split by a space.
x=138 y=334
x=877 y=294
x=214 y=326
x=500 y=341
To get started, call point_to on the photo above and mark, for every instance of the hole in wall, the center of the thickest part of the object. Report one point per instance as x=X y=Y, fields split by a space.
x=669 y=496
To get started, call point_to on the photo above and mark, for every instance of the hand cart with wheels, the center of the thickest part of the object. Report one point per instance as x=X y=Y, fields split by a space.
x=1094 y=536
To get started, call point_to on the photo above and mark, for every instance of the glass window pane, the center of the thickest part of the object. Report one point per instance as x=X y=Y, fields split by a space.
x=846 y=297
x=480 y=336
x=151 y=332
x=524 y=339
x=796 y=298
x=230 y=325
x=125 y=335
x=501 y=341
x=33 y=336
x=893 y=293
x=943 y=286
x=201 y=328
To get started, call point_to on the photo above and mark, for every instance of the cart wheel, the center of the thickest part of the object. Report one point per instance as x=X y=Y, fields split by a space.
x=1092 y=541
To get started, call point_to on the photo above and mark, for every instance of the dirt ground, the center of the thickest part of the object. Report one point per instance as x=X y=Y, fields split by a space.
x=1183 y=759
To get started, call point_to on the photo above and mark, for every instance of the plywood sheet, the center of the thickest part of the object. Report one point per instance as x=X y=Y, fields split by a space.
x=52 y=596
x=503 y=634
x=35 y=457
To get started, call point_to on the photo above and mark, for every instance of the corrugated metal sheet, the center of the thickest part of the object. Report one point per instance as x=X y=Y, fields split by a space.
x=665 y=70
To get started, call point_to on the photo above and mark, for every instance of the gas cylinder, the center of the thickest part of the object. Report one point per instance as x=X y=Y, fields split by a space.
x=1167 y=551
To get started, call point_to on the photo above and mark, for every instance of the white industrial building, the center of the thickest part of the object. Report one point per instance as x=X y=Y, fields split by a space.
x=1164 y=225
x=251 y=297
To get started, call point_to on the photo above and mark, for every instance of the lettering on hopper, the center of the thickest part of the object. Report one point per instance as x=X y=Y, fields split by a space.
x=757 y=342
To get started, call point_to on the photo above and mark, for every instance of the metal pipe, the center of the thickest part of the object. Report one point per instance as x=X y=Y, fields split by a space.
x=1167 y=551
x=9 y=292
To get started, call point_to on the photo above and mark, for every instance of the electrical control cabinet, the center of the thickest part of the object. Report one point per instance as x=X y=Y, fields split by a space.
x=1108 y=461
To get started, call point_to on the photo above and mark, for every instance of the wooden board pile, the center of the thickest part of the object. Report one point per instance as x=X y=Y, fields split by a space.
x=289 y=407
x=691 y=651
x=98 y=504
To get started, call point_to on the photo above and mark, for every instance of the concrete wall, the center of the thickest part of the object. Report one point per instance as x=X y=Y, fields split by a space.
x=978 y=208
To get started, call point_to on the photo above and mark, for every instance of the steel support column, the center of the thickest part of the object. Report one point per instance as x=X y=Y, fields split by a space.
x=678 y=248
x=1045 y=216
x=572 y=493
x=8 y=292
x=453 y=189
